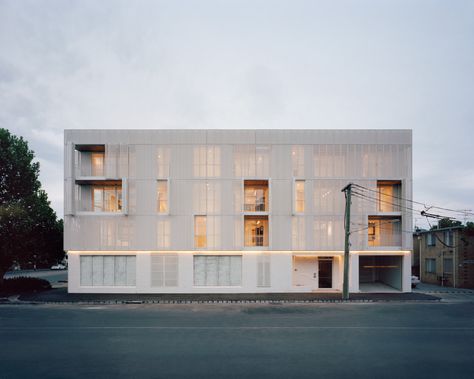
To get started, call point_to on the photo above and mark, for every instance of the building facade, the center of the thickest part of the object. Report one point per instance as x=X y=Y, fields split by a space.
x=445 y=256
x=229 y=211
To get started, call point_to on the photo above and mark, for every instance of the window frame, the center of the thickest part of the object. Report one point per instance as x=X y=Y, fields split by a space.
x=167 y=182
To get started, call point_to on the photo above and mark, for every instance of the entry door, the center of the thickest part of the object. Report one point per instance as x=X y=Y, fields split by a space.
x=305 y=272
x=325 y=272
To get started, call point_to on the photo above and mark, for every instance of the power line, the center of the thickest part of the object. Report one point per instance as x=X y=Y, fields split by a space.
x=463 y=212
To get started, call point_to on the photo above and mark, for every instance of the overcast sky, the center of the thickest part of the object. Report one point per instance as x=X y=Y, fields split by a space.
x=245 y=64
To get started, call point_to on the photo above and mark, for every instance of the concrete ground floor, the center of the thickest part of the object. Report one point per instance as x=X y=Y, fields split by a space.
x=236 y=271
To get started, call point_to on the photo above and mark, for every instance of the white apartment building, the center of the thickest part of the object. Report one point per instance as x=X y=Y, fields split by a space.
x=235 y=211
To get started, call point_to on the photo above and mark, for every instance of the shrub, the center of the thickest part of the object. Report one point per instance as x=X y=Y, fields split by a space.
x=24 y=284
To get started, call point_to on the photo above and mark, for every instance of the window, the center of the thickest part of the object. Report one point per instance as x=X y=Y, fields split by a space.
x=447 y=266
x=256 y=195
x=384 y=231
x=107 y=270
x=207 y=161
x=299 y=196
x=251 y=160
x=430 y=239
x=164 y=270
x=430 y=265
x=388 y=196
x=200 y=231
x=218 y=270
x=263 y=271
x=162 y=196
x=163 y=161
x=297 y=160
x=97 y=164
x=107 y=198
x=298 y=233
x=448 y=237
x=163 y=234
x=256 y=231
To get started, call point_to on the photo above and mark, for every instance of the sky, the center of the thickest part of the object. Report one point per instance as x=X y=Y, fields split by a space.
x=371 y=64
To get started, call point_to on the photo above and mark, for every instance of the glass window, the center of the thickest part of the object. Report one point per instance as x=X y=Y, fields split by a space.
x=384 y=231
x=97 y=164
x=430 y=265
x=256 y=231
x=256 y=195
x=200 y=231
x=388 y=197
x=430 y=239
x=162 y=196
x=297 y=160
x=299 y=196
x=448 y=237
x=107 y=198
x=447 y=265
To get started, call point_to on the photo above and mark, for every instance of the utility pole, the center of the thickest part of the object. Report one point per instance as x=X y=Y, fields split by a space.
x=347 y=229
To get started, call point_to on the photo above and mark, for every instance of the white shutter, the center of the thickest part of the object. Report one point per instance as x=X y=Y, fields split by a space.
x=235 y=270
x=171 y=270
x=224 y=269
x=157 y=270
x=86 y=270
x=263 y=271
x=199 y=270
x=120 y=270
x=131 y=270
x=112 y=152
x=98 y=270
x=123 y=161
x=211 y=270
x=109 y=270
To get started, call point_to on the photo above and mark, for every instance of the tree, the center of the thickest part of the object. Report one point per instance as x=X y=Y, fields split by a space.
x=29 y=228
x=446 y=223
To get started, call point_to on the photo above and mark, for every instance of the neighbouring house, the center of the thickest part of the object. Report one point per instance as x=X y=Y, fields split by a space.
x=445 y=256
x=229 y=211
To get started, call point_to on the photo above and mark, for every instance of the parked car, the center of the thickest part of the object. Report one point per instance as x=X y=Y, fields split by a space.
x=414 y=281
x=58 y=267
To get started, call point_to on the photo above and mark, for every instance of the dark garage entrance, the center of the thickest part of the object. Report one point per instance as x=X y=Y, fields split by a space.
x=383 y=270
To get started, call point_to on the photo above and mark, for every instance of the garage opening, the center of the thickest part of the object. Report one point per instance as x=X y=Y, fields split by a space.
x=380 y=273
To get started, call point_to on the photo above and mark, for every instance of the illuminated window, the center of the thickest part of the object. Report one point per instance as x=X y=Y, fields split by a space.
x=384 y=231
x=388 y=198
x=162 y=196
x=299 y=196
x=297 y=160
x=107 y=198
x=97 y=164
x=256 y=231
x=200 y=231
x=256 y=195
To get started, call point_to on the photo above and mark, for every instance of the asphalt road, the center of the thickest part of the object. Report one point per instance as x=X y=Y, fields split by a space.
x=358 y=340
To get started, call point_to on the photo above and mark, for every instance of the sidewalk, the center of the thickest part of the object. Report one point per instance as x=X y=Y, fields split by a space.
x=433 y=288
x=60 y=295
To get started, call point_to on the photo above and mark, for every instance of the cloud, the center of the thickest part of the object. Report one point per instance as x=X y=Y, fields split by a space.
x=206 y=64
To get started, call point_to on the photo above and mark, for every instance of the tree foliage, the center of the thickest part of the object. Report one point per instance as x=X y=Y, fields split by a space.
x=29 y=228
x=446 y=223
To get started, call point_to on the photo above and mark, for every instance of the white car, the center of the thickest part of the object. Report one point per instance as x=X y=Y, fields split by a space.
x=414 y=281
x=58 y=267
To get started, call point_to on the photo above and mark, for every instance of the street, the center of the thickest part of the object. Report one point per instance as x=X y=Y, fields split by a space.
x=358 y=340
